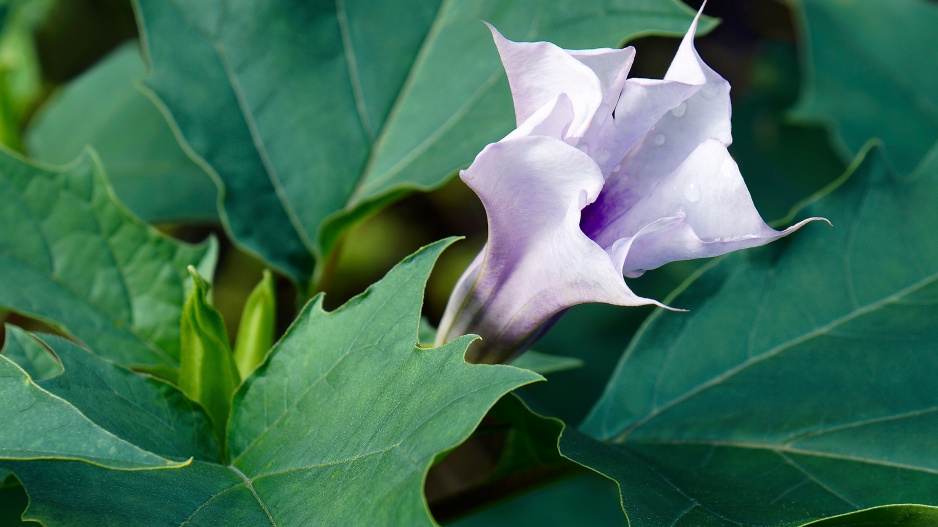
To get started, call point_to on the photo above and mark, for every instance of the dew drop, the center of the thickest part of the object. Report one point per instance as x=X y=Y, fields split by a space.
x=659 y=139
x=680 y=110
x=692 y=193
x=617 y=167
x=602 y=155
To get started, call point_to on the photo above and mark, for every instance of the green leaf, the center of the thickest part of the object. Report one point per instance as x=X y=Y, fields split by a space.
x=149 y=412
x=871 y=74
x=207 y=371
x=586 y=499
x=531 y=440
x=347 y=404
x=72 y=257
x=39 y=425
x=316 y=114
x=30 y=354
x=13 y=500
x=150 y=172
x=887 y=516
x=256 y=331
x=799 y=384
x=545 y=363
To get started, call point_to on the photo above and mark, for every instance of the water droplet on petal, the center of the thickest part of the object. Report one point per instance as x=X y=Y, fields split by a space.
x=692 y=193
x=680 y=110
x=602 y=155
x=617 y=167
x=659 y=139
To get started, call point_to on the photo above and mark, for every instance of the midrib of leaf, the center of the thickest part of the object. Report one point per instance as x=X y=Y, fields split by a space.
x=352 y=64
x=409 y=81
x=818 y=332
x=250 y=487
x=778 y=449
x=246 y=113
x=259 y=145
x=431 y=139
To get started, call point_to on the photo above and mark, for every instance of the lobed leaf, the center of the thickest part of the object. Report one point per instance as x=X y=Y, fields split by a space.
x=347 y=105
x=799 y=385
x=74 y=258
x=338 y=427
x=38 y=425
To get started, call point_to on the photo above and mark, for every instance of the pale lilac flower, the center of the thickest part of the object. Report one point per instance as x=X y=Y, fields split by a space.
x=603 y=177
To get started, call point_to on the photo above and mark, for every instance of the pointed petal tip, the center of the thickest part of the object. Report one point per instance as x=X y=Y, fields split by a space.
x=804 y=222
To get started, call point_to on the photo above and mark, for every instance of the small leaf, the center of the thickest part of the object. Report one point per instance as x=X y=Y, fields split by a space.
x=869 y=78
x=256 y=331
x=799 y=385
x=207 y=371
x=151 y=412
x=30 y=354
x=39 y=425
x=351 y=104
x=74 y=258
x=104 y=108
x=545 y=363
x=338 y=427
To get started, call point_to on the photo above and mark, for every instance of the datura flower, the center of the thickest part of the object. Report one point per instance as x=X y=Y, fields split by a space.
x=603 y=177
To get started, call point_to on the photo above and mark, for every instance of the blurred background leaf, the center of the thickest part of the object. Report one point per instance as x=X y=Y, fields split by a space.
x=103 y=108
x=872 y=72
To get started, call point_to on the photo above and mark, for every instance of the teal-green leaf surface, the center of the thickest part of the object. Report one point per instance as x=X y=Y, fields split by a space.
x=38 y=425
x=28 y=353
x=104 y=108
x=885 y=516
x=150 y=412
x=338 y=427
x=71 y=256
x=871 y=72
x=801 y=383
x=316 y=114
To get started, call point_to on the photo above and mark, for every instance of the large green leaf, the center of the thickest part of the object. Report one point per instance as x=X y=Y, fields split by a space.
x=38 y=425
x=338 y=427
x=150 y=172
x=71 y=256
x=872 y=73
x=314 y=114
x=800 y=385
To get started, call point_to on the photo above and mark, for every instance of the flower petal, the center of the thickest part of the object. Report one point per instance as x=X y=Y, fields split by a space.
x=712 y=210
x=537 y=261
x=538 y=72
